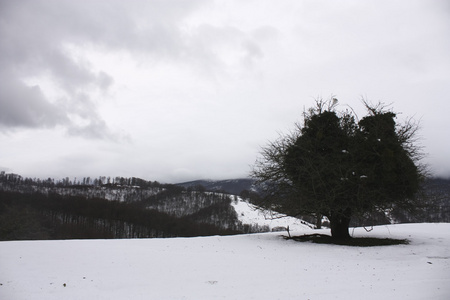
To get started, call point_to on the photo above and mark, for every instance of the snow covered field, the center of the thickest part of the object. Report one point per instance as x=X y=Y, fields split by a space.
x=257 y=266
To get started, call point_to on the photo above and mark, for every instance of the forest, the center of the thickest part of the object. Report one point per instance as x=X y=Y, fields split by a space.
x=120 y=208
x=107 y=208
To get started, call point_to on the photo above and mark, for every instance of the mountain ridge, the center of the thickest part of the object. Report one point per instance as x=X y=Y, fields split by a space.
x=230 y=186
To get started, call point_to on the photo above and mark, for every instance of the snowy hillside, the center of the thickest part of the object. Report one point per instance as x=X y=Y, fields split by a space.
x=250 y=214
x=257 y=266
x=129 y=208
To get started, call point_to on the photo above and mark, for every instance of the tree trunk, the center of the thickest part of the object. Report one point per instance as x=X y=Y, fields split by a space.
x=318 y=221
x=339 y=223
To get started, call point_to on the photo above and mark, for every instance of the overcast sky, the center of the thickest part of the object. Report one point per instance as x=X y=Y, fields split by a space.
x=181 y=90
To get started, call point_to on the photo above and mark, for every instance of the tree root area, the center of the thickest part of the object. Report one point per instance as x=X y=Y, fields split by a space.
x=355 y=242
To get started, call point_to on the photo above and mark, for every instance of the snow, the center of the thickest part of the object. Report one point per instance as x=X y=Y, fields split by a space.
x=250 y=214
x=255 y=266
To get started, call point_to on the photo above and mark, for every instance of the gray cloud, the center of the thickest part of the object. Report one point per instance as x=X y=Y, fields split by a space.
x=37 y=38
x=34 y=36
x=94 y=129
x=24 y=106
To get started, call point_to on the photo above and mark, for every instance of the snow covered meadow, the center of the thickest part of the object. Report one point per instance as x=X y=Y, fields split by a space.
x=255 y=266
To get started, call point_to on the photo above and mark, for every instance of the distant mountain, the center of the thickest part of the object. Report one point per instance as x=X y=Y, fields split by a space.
x=230 y=186
x=116 y=207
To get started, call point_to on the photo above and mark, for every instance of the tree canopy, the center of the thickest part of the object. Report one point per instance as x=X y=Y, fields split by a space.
x=338 y=166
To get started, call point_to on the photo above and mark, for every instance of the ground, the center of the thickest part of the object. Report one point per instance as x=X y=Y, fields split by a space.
x=256 y=266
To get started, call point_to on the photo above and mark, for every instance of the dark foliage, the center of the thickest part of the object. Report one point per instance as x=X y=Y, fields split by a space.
x=39 y=216
x=337 y=167
x=112 y=208
x=231 y=186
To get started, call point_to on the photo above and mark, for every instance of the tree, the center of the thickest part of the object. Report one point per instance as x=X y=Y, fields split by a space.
x=338 y=167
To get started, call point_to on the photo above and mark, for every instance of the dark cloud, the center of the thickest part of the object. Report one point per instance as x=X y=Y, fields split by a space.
x=41 y=38
x=32 y=45
x=25 y=106
x=35 y=39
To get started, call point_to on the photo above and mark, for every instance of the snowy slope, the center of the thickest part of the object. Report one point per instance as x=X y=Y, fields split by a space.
x=250 y=214
x=257 y=266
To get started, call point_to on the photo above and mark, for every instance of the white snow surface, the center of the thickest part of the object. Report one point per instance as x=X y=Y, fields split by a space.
x=250 y=214
x=255 y=266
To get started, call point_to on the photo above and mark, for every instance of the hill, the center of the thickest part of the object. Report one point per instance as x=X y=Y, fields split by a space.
x=118 y=207
x=122 y=208
x=230 y=186
x=435 y=196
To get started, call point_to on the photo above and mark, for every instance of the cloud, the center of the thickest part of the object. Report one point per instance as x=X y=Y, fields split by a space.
x=197 y=86
x=24 y=106
x=50 y=41
x=35 y=39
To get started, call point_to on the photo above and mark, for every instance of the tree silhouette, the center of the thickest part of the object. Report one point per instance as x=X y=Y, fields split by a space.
x=337 y=167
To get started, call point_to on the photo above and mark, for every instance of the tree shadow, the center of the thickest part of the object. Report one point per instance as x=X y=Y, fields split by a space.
x=354 y=242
